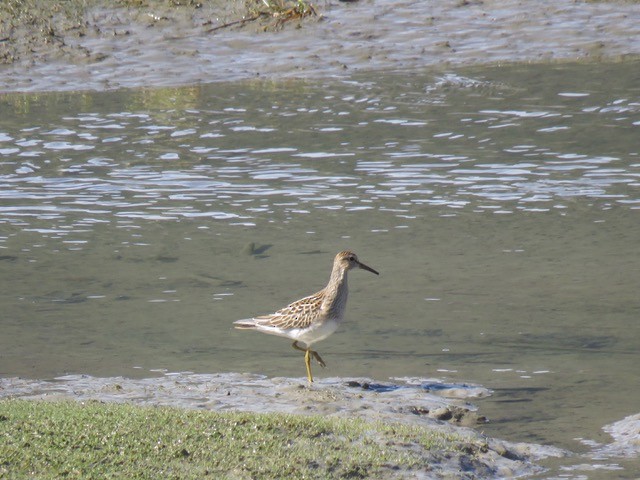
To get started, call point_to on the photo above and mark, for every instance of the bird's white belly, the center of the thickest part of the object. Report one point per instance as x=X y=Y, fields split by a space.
x=316 y=332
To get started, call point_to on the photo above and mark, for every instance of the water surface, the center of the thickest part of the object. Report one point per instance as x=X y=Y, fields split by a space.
x=499 y=204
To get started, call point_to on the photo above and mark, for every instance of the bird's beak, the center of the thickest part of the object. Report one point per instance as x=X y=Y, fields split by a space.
x=365 y=267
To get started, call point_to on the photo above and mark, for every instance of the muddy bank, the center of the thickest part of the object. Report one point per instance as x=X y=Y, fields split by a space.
x=442 y=407
x=97 y=46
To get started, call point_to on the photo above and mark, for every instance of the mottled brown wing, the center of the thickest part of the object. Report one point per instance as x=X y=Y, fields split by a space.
x=299 y=314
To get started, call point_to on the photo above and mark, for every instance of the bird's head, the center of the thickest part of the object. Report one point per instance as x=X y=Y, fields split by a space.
x=349 y=260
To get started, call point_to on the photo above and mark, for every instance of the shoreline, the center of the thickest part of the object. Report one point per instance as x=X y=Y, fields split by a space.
x=426 y=407
x=54 y=439
x=89 y=46
x=438 y=410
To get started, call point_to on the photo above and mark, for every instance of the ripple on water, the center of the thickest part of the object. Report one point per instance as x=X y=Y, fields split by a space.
x=369 y=147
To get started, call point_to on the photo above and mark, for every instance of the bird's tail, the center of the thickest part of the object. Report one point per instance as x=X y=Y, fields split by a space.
x=245 y=324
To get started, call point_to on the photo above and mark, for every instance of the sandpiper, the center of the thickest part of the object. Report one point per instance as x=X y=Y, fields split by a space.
x=311 y=318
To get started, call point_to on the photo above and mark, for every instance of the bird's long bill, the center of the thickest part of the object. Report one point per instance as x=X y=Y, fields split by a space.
x=365 y=267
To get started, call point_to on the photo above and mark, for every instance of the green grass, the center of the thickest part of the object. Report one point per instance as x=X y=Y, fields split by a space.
x=97 y=440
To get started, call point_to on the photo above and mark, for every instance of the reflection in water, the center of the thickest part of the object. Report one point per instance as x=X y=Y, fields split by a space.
x=499 y=204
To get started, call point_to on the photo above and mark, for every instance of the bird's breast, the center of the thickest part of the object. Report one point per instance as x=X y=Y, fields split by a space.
x=318 y=331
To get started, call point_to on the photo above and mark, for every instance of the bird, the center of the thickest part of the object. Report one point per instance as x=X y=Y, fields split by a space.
x=313 y=318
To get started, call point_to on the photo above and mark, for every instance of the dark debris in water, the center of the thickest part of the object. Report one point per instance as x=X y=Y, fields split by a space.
x=256 y=250
x=376 y=387
x=390 y=387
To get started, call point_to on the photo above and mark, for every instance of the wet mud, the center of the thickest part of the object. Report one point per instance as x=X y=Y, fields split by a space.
x=100 y=46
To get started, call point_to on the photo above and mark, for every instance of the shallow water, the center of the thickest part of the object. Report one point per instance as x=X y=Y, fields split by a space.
x=499 y=204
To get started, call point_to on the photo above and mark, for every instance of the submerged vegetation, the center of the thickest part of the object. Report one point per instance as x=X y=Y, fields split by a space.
x=80 y=440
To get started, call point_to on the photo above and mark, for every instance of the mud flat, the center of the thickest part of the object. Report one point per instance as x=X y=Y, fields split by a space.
x=47 y=45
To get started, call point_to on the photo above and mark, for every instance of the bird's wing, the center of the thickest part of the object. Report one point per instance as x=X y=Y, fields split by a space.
x=299 y=314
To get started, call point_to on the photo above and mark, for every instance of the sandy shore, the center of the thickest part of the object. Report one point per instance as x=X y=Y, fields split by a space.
x=95 y=47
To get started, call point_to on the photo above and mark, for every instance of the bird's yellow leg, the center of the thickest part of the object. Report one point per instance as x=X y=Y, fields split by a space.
x=307 y=359
x=312 y=352
x=307 y=362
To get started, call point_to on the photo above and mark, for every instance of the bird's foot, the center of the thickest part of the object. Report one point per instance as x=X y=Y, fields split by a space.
x=318 y=358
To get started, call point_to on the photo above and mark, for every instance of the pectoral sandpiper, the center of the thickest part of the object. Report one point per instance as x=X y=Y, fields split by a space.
x=312 y=318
